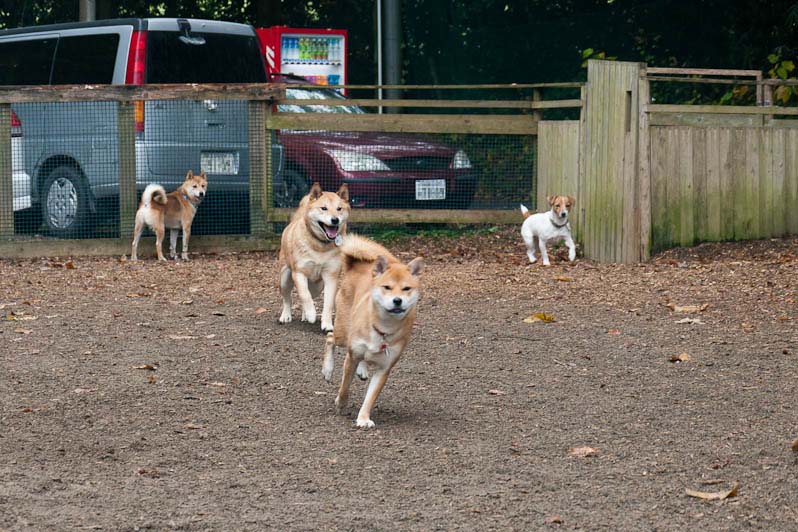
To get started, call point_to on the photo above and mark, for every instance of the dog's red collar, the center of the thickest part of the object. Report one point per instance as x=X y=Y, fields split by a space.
x=384 y=344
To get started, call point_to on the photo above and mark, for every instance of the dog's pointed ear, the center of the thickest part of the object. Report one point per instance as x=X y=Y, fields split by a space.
x=416 y=266
x=343 y=192
x=203 y=176
x=380 y=265
x=572 y=200
x=551 y=199
x=190 y=175
x=315 y=191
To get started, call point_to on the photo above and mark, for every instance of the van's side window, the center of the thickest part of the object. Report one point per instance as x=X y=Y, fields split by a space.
x=85 y=59
x=26 y=62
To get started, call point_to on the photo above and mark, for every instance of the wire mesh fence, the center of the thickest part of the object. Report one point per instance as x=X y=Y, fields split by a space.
x=79 y=168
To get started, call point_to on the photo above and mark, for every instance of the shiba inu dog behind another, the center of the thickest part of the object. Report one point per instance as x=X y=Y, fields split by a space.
x=309 y=253
x=175 y=210
x=376 y=308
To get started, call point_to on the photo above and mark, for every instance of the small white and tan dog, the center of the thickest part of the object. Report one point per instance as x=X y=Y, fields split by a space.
x=548 y=227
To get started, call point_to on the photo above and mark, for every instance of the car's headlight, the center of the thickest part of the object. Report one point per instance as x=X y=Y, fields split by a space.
x=352 y=161
x=461 y=160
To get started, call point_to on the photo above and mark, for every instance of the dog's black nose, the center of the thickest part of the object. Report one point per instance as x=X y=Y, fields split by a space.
x=564 y=214
x=334 y=220
x=397 y=301
x=201 y=194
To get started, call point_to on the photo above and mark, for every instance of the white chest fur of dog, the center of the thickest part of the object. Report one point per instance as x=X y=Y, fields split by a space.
x=548 y=227
x=310 y=255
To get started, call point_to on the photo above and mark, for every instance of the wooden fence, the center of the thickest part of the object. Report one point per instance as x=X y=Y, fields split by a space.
x=521 y=119
x=652 y=176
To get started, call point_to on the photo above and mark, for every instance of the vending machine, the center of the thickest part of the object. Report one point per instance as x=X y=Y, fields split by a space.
x=318 y=55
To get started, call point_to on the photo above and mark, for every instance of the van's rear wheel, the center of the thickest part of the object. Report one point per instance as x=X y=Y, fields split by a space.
x=65 y=202
x=289 y=189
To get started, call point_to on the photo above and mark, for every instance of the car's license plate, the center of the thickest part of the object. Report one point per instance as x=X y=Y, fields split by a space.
x=431 y=189
x=218 y=162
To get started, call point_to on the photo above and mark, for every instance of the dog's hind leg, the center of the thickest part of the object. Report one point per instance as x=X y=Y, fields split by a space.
x=139 y=227
x=159 y=234
x=328 y=363
x=286 y=285
x=186 y=236
x=375 y=387
x=172 y=243
x=530 y=250
x=346 y=382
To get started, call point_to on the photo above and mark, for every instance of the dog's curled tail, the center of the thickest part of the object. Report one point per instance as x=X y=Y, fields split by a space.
x=525 y=212
x=154 y=193
x=360 y=249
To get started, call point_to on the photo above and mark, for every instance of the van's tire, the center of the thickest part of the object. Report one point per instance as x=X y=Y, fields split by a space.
x=289 y=188
x=65 y=203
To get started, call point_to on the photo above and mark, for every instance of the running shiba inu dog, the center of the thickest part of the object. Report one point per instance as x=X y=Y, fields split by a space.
x=310 y=255
x=376 y=308
x=546 y=227
x=175 y=210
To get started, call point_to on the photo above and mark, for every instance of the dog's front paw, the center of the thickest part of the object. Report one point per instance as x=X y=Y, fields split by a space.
x=326 y=326
x=572 y=256
x=546 y=263
x=364 y=423
x=285 y=317
x=184 y=256
x=362 y=371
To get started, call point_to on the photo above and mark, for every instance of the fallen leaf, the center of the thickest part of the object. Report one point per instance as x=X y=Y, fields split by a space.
x=539 y=317
x=795 y=446
x=564 y=279
x=687 y=308
x=713 y=496
x=216 y=383
x=151 y=378
x=217 y=313
x=181 y=337
x=496 y=392
x=194 y=426
x=150 y=367
x=69 y=265
x=693 y=321
x=614 y=331
x=583 y=452
x=553 y=520
x=683 y=357
x=20 y=330
x=260 y=310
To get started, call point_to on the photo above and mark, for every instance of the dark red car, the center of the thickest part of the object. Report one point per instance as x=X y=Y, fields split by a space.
x=381 y=169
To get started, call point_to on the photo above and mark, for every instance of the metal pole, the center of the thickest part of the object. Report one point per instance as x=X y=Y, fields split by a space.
x=379 y=53
x=88 y=10
x=393 y=49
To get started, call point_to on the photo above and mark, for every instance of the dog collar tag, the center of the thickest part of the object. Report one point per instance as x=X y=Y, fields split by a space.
x=339 y=239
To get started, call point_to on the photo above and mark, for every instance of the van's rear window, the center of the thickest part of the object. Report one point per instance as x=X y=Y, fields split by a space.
x=85 y=59
x=222 y=59
x=26 y=62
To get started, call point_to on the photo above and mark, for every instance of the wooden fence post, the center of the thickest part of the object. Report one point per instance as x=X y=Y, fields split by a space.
x=611 y=171
x=127 y=168
x=644 y=166
x=6 y=169
x=260 y=167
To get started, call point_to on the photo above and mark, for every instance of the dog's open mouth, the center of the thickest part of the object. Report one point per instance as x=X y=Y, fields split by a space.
x=330 y=231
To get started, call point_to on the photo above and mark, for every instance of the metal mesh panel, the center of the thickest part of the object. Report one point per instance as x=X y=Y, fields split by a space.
x=410 y=171
x=66 y=164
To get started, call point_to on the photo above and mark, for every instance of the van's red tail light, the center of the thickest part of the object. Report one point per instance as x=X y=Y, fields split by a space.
x=136 y=69
x=15 y=120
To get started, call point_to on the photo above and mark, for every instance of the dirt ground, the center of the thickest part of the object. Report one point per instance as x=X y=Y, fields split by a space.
x=150 y=396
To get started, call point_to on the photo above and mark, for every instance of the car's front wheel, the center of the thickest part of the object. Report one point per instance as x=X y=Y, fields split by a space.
x=289 y=189
x=65 y=202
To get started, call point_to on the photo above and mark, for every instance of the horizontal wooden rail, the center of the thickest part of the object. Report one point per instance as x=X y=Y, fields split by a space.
x=721 y=109
x=126 y=93
x=706 y=81
x=390 y=216
x=457 y=104
x=702 y=71
x=467 y=124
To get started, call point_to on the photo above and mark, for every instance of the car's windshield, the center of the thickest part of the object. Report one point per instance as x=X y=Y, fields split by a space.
x=316 y=94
